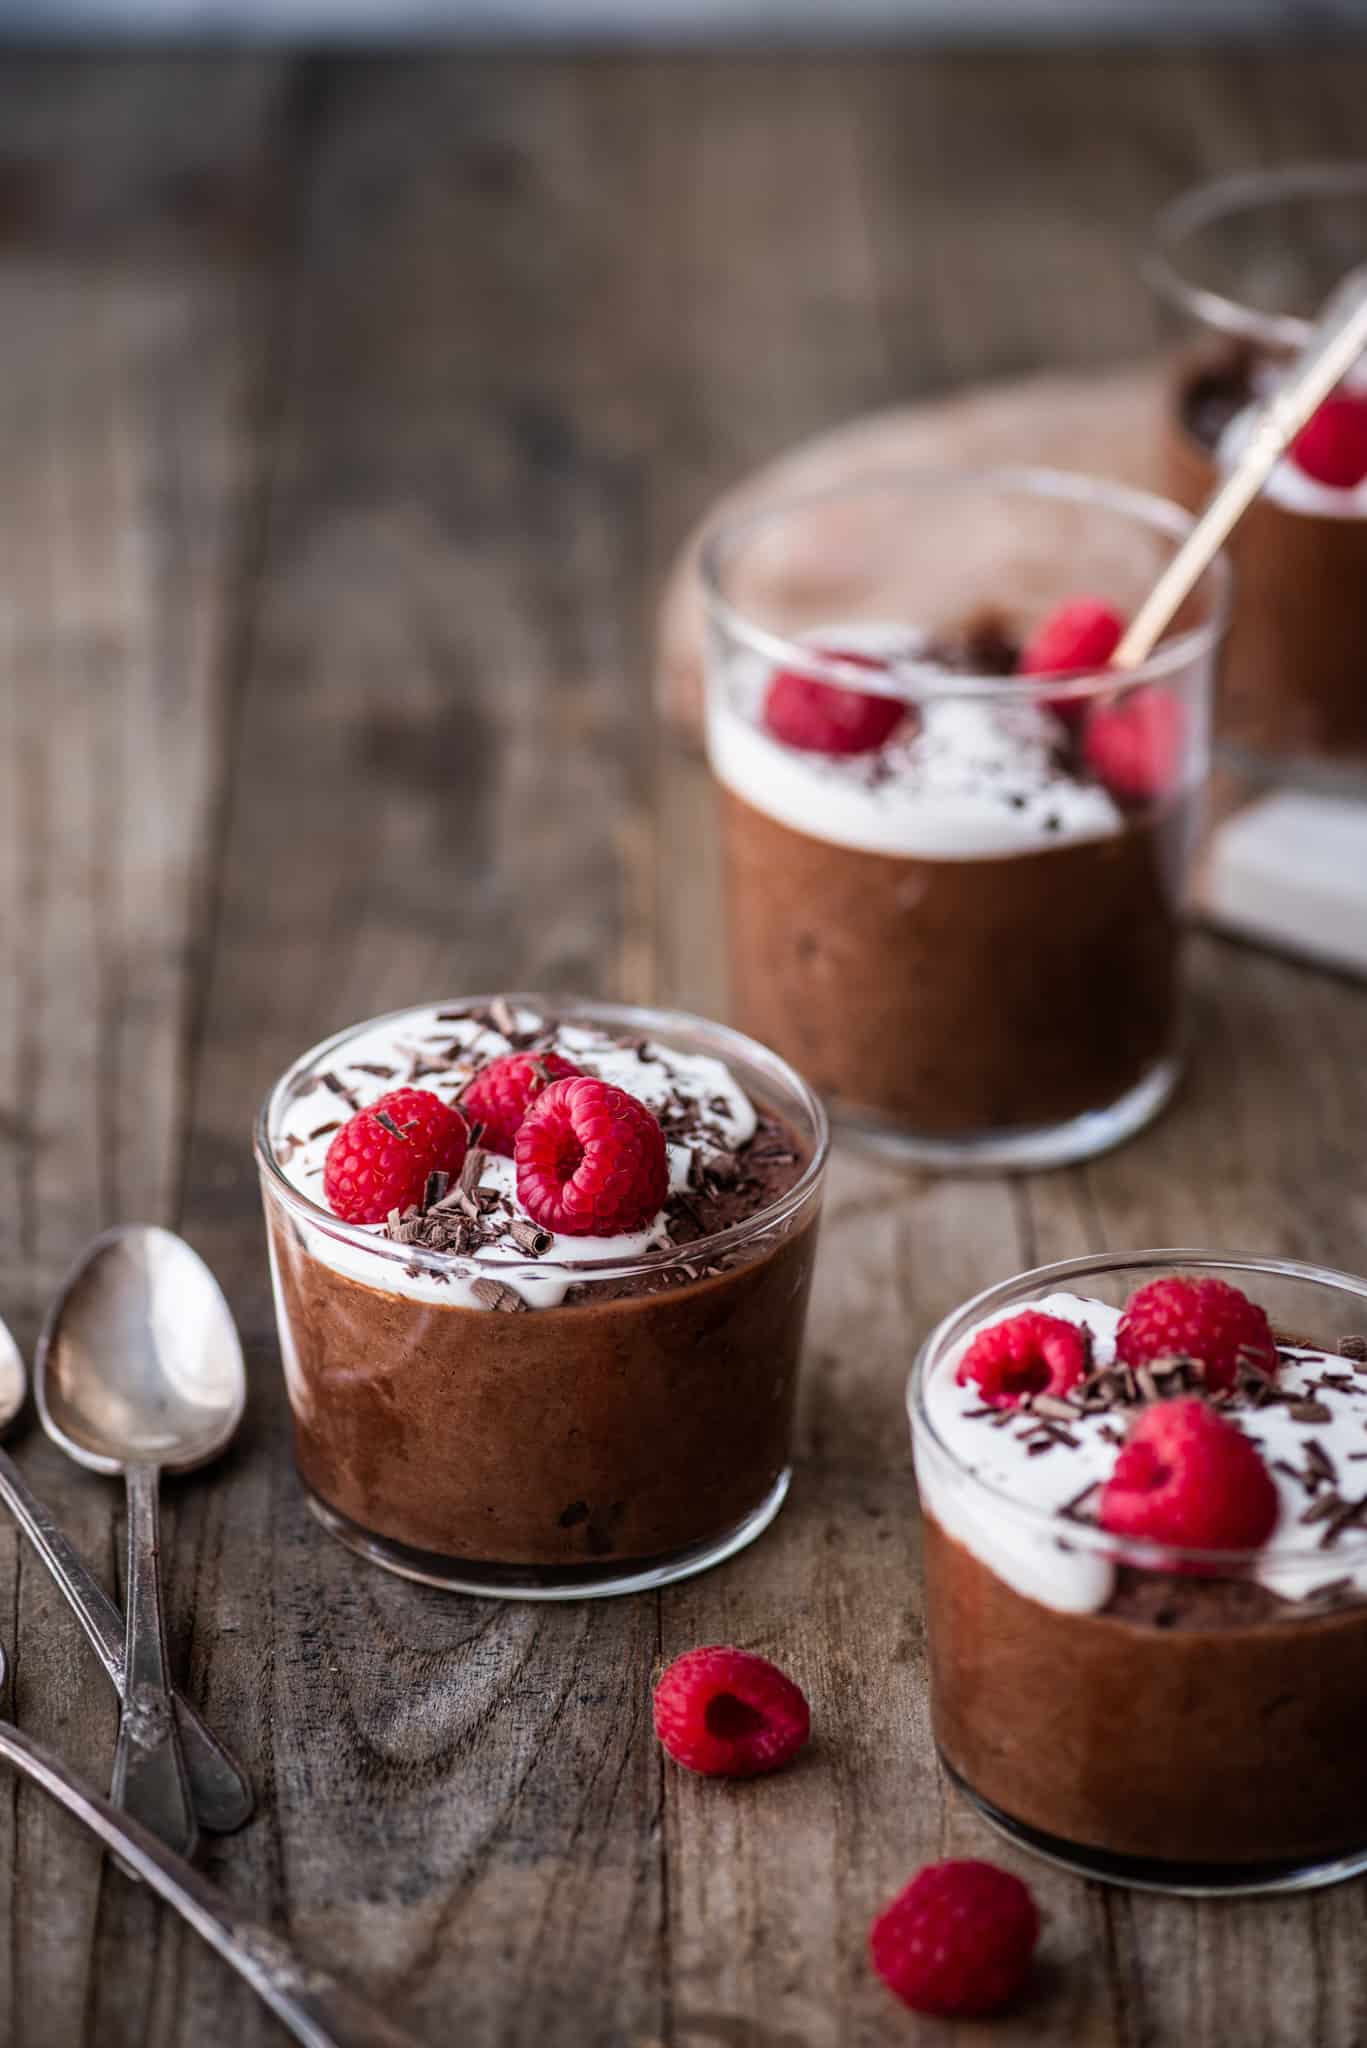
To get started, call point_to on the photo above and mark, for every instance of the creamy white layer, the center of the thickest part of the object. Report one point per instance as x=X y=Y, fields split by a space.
x=972 y=778
x=1065 y=1571
x=446 y=1051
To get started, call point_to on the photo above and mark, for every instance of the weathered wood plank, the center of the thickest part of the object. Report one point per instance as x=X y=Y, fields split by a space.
x=438 y=770
x=126 y=386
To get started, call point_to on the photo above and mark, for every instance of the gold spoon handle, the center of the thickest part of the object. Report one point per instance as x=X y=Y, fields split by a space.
x=1337 y=340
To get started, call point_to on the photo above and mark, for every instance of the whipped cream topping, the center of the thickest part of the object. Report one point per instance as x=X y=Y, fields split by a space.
x=973 y=777
x=1288 y=485
x=707 y=1119
x=1310 y=1421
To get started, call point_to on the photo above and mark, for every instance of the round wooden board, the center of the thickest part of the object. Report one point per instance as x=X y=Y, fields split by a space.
x=1106 y=424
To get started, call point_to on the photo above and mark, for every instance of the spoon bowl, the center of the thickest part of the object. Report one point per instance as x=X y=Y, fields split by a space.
x=140 y=1362
x=140 y=1371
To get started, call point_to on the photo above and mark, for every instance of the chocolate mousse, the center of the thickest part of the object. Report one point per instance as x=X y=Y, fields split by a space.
x=1178 y=1723
x=487 y=1402
x=1292 y=683
x=968 y=931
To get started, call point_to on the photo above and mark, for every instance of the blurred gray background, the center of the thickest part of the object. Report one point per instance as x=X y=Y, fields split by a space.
x=676 y=21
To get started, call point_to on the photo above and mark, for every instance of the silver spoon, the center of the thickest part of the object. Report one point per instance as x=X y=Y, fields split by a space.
x=1336 y=340
x=219 y=1789
x=313 y=2005
x=139 y=1370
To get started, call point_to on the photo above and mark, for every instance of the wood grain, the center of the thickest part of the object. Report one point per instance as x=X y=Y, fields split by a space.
x=353 y=414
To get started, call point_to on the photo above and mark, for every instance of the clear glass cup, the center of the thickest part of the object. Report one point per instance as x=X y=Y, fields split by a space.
x=1175 y=1720
x=967 y=944
x=635 y=1432
x=1245 y=263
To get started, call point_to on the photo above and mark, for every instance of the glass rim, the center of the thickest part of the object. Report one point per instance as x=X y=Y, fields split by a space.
x=1149 y=1556
x=1202 y=205
x=635 y=1018
x=913 y=681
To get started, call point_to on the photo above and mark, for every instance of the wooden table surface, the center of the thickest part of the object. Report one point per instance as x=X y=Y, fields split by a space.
x=350 y=411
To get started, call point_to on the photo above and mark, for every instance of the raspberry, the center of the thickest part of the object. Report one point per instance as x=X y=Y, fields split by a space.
x=590 y=1160
x=1135 y=745
x=500 y=1094
x=822 y=718
x=1027 y=1354
x=1205 y=1319
x=958 y=1941
x=373 y=1167
x=728 y=1714
x=1332 y=445
x=1076 y=639
x=1187 y=1476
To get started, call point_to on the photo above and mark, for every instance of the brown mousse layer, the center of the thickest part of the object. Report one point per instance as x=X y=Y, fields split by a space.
x=1192 y=1721
x=638 y=1419
x=959 y=996
x=1294 y=677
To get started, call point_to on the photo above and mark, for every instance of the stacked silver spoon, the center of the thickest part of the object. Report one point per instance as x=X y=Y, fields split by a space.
x=139 y=1370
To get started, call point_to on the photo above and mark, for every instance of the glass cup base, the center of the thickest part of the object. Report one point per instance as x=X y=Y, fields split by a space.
x=1032 y=1148
x=1146 y=1874
x=531 y=1582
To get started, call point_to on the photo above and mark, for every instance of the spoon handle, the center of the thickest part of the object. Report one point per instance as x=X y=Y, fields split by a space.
x=220 y=1791
x=317 y=2009
x=149 y=1768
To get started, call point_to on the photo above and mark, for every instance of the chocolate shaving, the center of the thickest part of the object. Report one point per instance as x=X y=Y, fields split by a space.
x=493 y=1294
x=1071 y=1509
x=504 y=1020
x=437 y=1184
x=324 y=1130
x=470 y=1172
x=1309 y=1411
x=1354 y=1348
x=372 y=1067
x=1052 y=1407
x=339 y=1087
x=1348 y=1513
x=529 y=1236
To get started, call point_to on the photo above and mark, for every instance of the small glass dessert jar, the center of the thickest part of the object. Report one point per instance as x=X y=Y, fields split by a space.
x=485 y=1405
x=954 y=889
x=1247 y=262
x=1176 y=1719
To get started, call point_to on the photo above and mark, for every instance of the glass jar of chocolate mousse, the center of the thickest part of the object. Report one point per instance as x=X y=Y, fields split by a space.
x=1178 y=1718
x=489 y=1403
x=1246 y=263
x=956 y=846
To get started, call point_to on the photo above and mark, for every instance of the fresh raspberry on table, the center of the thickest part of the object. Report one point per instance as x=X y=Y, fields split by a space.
x=591 y=1160
x=1030 y=1353
x=1196 y=1318
x=381 y=1157
x=1187 y=1476
x=1134 y=746
x=1078 y=638
x=500 y=1094
x=822 y=718
x=958 y=1941
x=1332 y=445
x=728 y=1714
